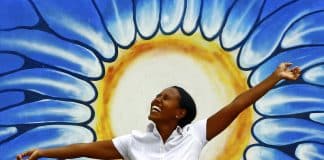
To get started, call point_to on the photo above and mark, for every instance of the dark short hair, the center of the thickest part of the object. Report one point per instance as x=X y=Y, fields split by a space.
x=186 y=102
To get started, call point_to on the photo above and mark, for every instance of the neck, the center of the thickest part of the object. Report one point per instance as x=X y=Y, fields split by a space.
x=166 y=129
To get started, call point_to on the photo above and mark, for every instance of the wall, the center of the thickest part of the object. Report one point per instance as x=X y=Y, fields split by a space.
x=81 y=71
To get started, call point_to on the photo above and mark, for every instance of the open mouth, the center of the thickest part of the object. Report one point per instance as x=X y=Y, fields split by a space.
x=155 y=109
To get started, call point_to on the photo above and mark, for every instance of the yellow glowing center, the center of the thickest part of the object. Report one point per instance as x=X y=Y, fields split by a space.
x=142 y=71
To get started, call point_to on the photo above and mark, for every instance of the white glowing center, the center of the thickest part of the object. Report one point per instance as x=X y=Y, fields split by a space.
x=152 y=73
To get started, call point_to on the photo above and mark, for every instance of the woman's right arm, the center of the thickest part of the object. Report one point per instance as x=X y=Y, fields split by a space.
x=100 y=150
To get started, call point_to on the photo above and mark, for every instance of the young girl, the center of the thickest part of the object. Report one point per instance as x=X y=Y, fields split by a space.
x=171 y=135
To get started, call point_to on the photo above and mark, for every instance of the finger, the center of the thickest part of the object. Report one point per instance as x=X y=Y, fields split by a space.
x=296 y=76
x=33 y=157
x=287 y=64
x=27 y=153
x=297 y=70
x=19 y=157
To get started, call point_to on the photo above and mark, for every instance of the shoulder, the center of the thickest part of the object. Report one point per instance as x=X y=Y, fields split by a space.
x=199 y=126
x=198 y=130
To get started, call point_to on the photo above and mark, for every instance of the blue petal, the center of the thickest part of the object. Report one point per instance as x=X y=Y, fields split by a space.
x=310 y=151
x=16 y=62
x=6 y=132
x=172 y=12
x=46 y=111
x=48 y=49
x=213 y=16
x=306 y=31
x=118 y=18
x=315 y=75
x=265 y=153
x=260 y=45
x=73 y=21
x=272 y=6
x=291 y=99
x=45 y=137
x=284 y=131
x=147 y=17
x=302 y=57
x=239 y=23
x=49 y=82
x=190 y=21
x=15 y=13
x=317 y=117
x=11 y=98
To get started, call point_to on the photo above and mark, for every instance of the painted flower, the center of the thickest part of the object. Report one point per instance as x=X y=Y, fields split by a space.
x=51 y=53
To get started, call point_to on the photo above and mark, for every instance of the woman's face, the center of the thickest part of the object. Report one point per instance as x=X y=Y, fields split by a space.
x=165 y=106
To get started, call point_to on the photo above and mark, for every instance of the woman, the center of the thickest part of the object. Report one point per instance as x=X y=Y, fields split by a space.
x=171 y=136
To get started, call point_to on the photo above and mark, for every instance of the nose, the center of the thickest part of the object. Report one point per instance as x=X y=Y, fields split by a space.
x=156 y=100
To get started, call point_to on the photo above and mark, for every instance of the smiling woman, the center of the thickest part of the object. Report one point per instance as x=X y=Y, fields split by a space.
x=63 y=49
x=147 y=67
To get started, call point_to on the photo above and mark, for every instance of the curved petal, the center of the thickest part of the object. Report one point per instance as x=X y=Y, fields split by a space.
x=49 y=82
x=291 y=99
x=273 y=6
x=11 y=98
x=72 y=21
x=213 y=16
x=147 y=17
x=302 y=57
x=260 y=45
x=310 y=151
x=16 y=62
x=6 y=132
x=118 y=18
x=190 y=21
x=239 y=23
x=315 y=75
x=284 y=131
x=46 y=48
x=16 y=13
x=306 y=31
x=317 y=117
x=45 y=137
x=172 y=12
x=46 y=111
x=265 y=153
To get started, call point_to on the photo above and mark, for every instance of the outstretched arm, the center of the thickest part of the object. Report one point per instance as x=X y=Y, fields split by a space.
x=100 y=150
x=220 y=120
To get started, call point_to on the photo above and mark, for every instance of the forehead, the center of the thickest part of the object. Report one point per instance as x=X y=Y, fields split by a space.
x=171 y=91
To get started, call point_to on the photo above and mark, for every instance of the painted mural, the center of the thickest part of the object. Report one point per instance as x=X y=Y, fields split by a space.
x=86 y=70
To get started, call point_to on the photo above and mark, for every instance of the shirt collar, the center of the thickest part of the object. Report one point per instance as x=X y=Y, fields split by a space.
x=151 y=127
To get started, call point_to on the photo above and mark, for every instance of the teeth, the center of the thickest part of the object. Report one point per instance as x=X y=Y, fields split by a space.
x=156 y=109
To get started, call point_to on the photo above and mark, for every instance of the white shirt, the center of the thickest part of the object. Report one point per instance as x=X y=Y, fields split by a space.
x=184 y=143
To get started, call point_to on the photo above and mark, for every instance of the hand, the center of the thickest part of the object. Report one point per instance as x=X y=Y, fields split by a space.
x=284 y=72
x=33 y=154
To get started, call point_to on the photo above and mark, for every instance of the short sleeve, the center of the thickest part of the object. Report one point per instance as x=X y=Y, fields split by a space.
x=198 y=129
x=122 y=144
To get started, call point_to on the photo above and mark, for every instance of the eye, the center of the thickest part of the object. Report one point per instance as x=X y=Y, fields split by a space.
x=157 y=96
x=166 y=97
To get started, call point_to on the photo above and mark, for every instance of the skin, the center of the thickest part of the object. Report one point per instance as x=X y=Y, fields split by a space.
x=167 y=119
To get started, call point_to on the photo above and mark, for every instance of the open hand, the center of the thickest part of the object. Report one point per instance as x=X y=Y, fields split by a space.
x=284 y=72
x=32 y=154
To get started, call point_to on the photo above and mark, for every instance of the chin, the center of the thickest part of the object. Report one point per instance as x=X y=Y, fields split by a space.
x=152 y=118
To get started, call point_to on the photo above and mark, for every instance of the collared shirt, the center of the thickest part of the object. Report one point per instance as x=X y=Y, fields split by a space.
x=184 y=143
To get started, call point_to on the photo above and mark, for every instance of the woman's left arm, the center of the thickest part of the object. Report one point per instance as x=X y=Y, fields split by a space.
x=220 y=120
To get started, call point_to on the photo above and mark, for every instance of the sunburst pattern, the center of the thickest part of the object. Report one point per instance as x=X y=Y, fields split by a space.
x=51 y=53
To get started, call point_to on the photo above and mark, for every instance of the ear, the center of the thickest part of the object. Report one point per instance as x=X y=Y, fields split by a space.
x=181 y=113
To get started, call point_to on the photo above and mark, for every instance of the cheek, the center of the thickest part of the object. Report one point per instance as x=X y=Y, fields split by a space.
x=172 y=107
